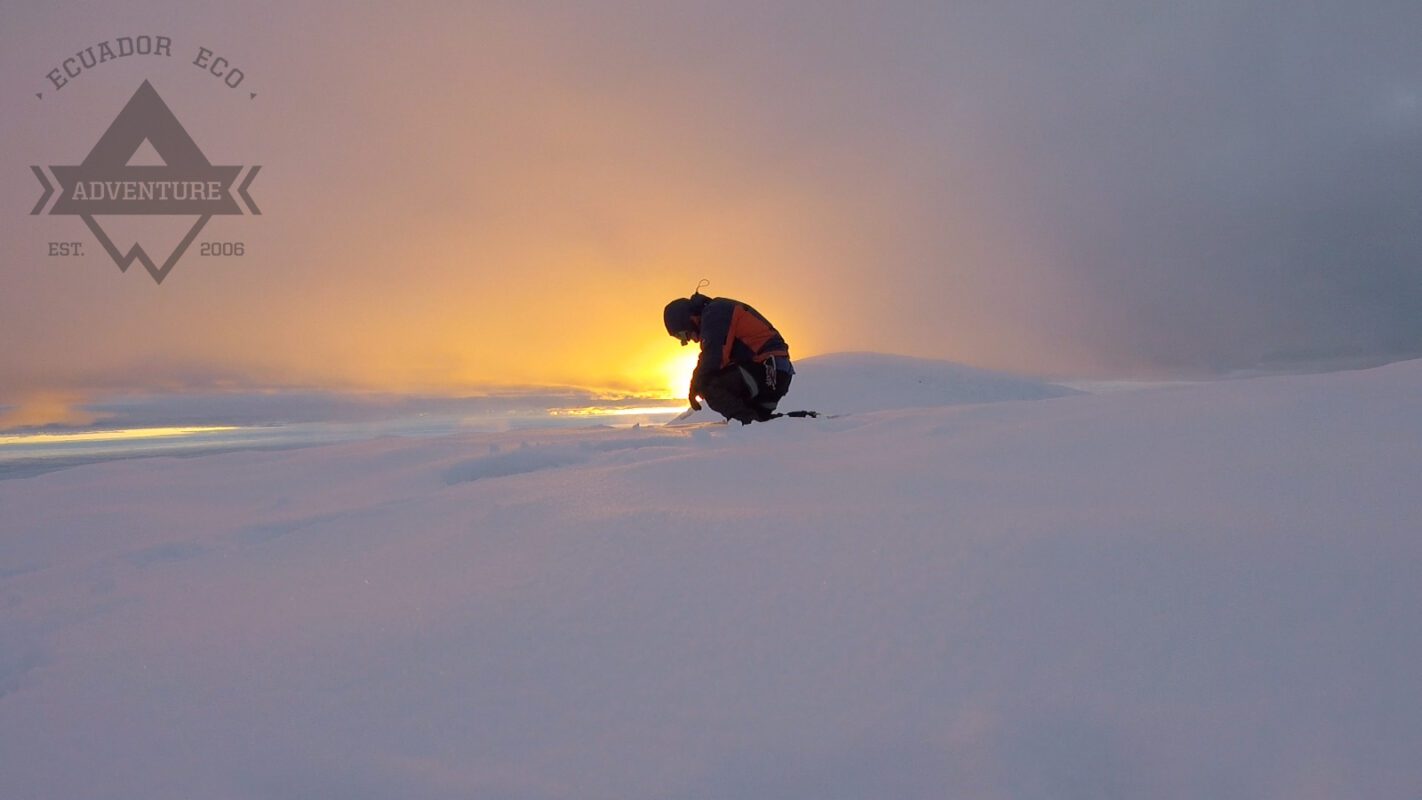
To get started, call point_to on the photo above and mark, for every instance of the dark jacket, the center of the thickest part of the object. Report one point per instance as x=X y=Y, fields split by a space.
x=734 y=333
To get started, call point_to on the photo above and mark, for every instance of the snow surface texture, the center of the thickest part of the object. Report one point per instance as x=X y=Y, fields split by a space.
x=1202 y=591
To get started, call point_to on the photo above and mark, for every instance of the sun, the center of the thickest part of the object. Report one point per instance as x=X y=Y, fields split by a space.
x=676 y=373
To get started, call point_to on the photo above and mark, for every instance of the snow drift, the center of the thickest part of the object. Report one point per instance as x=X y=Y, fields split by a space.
x=1205 y=591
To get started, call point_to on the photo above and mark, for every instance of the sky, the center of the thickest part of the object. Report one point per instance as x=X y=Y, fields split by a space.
x=457 y=196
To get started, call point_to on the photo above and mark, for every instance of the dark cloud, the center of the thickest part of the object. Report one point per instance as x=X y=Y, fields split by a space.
x=1246 y=189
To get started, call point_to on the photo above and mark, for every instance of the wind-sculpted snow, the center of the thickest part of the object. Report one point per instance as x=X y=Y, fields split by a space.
x=498 y=463
x=1202 y=591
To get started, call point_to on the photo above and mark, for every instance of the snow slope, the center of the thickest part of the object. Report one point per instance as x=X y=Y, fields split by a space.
x=845 y=383
x=1203 y=591
x=855 y=382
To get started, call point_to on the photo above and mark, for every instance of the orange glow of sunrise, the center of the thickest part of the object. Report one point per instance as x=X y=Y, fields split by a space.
x=668 y=382
x=676 y=372
x=617 y=411
x=124 y=434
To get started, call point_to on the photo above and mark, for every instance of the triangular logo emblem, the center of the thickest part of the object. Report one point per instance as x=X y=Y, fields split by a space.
x=146 y=163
